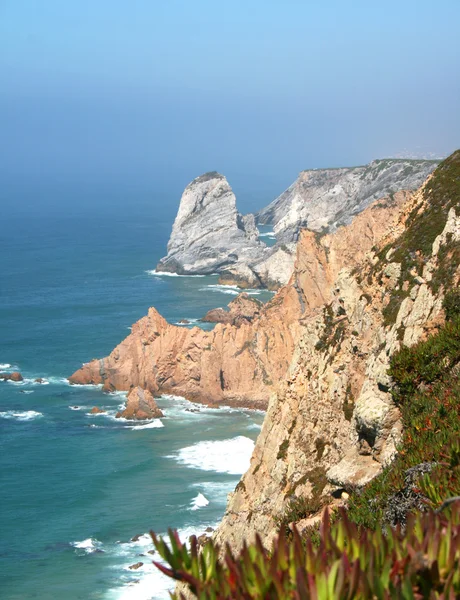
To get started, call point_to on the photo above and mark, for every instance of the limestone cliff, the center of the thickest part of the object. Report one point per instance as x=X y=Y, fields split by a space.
x=208 y=233
x=331 y=423
x=240 y=362
x=210 y=236
x=327 y=198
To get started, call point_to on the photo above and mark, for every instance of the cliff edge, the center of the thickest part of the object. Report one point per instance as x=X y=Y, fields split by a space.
x=332 y=424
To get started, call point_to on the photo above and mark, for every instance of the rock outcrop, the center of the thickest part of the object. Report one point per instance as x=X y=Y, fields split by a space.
x=14 y=376
x=209 y=234
x=324 y=199
x=242 y=308
x=241 y=364
x=140 y=406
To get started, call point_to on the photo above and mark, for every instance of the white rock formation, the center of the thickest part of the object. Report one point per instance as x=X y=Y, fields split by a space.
x=209 y=233
x=323 y=199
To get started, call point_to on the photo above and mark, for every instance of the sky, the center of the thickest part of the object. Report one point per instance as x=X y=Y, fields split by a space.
x=144 y=95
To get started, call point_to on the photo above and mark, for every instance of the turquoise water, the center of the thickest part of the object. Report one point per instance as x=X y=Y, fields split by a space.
x=75 y=488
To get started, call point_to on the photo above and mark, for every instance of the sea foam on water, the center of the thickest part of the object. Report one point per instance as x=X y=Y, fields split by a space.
x=223 y=456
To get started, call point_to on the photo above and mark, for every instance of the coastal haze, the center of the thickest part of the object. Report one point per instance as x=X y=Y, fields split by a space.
x=108 y=112
x=146 y=97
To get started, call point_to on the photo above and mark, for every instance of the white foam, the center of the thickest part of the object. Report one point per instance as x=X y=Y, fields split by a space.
x=147 y=582
x=27 y=391
x=224 y=456
x=88 y=546
x=165 y=274
x=222 y=289
x=270 y=234
x=189 y=322
x=5 y=366
x=26 y=415
x=230 y=289
x=153 y=425
x=200 y=501
x=217 y=490
x=255 y=426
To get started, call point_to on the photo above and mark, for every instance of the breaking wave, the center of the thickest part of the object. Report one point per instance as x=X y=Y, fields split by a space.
x=224 y=456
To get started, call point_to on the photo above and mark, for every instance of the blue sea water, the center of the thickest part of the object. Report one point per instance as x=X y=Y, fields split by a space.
x=75 y=488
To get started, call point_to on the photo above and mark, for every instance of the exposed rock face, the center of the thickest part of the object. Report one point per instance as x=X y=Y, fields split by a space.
x=96 y=410
x=210 y=236
x=14 y=376
x=327 y=198
x=272 y=272
x=332 y=423
x=208 y=233
x=240 y=364
x=242 y=308
x=140 y=405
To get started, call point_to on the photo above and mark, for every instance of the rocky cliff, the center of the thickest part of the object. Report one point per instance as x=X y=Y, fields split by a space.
x=323 y=199
x=209 y=233
x=210 y=236
x=331 y=424
x=241 y=361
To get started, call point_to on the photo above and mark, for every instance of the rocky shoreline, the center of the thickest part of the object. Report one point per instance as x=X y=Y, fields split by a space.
x=240 y=362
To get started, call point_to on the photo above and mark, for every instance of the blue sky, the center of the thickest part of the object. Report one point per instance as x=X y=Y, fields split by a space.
x=151 y=94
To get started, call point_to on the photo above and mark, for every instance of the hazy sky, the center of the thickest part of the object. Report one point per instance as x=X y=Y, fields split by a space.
x=149 y=94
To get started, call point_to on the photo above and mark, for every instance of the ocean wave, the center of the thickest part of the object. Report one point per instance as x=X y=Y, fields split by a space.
x=254 y=426
x=230 y=289
x=147 y=581
x=270 y=234
x=216 y=490
x=200 y=501
x=165 y=274
x=153 y=425
x=87 y=546
x=223 y=289
x=25 y=415
x=189 y=322
x=6 y=367
x=223 y=456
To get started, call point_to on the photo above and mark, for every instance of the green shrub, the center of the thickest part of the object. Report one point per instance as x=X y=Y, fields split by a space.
x=428 y=393
x=451 y=304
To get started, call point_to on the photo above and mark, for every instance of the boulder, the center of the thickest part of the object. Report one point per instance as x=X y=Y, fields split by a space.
x=96 y=410
x=137 y=565
x=242 y=308
x=14 y=376
x=140 y=405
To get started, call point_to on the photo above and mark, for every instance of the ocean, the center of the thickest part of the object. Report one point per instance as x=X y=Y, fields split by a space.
x=77 y=488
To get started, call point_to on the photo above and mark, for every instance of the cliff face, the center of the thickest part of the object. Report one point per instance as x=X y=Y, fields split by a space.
x=332 y=423
x=327 y=198
x=208 y=233
x=241 y=363
x=210 y=236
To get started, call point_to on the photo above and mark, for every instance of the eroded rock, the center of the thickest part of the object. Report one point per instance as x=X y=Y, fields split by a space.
x=140 y=405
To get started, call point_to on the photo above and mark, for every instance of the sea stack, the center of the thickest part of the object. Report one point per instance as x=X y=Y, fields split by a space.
x=209 y=234
x=140 y=406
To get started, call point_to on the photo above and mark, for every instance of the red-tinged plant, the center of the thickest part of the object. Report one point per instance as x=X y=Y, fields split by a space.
x=349 y=563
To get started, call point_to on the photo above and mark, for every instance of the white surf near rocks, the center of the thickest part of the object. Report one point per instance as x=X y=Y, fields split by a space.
x=223 y=456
